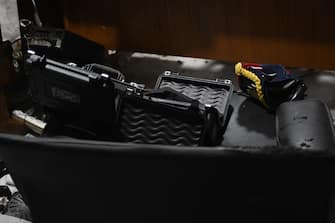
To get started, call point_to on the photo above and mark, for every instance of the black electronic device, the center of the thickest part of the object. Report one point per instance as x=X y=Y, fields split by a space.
x=61 y=45
x=76 y=97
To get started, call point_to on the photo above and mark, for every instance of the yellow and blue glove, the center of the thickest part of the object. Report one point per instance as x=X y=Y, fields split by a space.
x=270 y=84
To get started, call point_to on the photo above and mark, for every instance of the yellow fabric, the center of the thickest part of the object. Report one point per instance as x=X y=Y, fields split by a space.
x=240 y=71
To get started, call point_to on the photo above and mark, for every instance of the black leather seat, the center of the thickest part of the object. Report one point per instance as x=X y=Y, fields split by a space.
x=85 y=181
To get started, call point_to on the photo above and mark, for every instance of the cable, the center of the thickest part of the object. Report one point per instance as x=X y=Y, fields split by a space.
x=36 y=15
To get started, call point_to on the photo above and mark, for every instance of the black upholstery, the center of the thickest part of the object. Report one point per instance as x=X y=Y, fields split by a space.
x=85 y=181
x=305 y=124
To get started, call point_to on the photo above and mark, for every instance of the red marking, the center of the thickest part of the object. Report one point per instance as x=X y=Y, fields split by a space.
x=252 y=65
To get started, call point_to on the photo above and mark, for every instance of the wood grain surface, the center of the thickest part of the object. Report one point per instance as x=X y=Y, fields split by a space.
x=294 y=33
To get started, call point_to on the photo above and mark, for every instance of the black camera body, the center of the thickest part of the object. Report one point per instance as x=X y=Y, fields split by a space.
x=74 y=97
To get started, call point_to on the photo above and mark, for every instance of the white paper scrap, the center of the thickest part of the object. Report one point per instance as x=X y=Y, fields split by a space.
x=9 y=20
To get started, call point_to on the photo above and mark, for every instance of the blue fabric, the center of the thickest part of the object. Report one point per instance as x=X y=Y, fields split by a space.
x=281 y=74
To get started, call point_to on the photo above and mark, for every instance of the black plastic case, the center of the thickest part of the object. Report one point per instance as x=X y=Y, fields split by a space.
x=216 y=93
x=147 y=122
x=83 y=99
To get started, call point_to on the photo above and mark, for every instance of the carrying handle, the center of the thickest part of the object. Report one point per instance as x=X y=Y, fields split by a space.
x=172 y=95
x=98 y=68
x=36 y=15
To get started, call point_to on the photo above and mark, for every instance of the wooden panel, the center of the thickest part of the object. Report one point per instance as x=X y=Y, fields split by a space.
x=295 y=33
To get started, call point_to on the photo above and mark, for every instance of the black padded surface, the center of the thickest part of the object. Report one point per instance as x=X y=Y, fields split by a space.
x=249 y=124
x=305 y=124
x=86 y=181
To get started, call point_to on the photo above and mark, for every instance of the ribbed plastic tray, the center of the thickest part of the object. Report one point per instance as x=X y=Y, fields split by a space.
x=216 y=93
x=146 y=122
